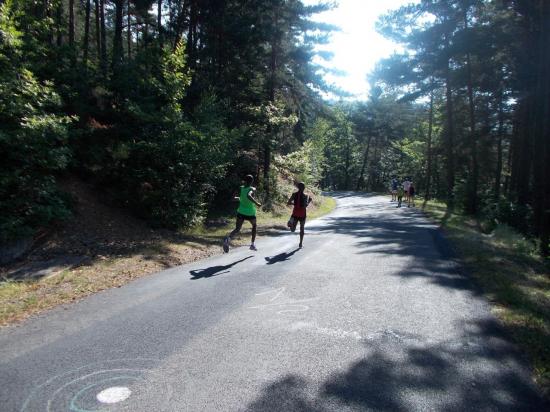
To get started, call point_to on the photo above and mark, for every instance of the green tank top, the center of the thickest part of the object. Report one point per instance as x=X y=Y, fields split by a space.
x=246 y=206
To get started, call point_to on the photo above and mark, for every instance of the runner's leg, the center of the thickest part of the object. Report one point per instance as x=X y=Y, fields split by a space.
x=293 y=227
x=302 y=225
x=253 y=221
x=238 y=226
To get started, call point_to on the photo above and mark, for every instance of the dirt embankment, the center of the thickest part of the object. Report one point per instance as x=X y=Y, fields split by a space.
x=98 y=248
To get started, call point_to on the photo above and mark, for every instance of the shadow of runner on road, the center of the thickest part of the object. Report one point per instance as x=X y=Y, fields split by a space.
x=281 y=257
x=214 y=270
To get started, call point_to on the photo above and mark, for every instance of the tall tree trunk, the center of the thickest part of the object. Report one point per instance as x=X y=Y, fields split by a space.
x=71 y=23
x=542 y=139
x=179 y=21
x=97 y=29
x=429 y=148
x=272 y=86
x=522 y=151
x=361 y=180
x=449 y=135
x=129 y=31
x=347 y=161
x=118 y=50
x=506 y=187
x=103 y=38
x=371 y=182
x=192 y=34
x=59 y=18
x=500 y=131
x=86 y=33
x=159 y=21
x=472 y=200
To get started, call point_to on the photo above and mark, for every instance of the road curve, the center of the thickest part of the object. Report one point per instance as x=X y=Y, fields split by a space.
x=373 y=314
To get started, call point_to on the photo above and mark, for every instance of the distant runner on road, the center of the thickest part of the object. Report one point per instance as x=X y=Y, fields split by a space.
x=400 y=193
x=246 y=211
x=411 y=194
x=394 y=184
x=406 y=185
x=300 y=200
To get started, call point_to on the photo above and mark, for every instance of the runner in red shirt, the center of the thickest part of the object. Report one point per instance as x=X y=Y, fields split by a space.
x=300 y=200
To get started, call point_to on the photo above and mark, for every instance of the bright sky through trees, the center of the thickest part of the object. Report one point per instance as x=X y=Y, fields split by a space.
x=357 y=47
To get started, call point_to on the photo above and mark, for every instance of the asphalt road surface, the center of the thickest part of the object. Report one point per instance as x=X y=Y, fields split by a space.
x=373 y=314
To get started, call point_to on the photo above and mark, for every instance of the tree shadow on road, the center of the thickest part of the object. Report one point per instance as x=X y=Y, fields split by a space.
x=402 y=373
x=214 y=270
x=404 y=234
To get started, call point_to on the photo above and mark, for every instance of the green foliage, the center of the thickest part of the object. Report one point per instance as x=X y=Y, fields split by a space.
x=33 y=140
x=163 y=164
x=410 y=158
x=304 y=165
x=170 y=178
x=164 y=125
x=506 y=212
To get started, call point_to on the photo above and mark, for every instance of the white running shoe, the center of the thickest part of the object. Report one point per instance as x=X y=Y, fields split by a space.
x=252 y=247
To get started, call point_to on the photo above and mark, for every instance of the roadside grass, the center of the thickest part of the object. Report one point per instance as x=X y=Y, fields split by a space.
x=21 y=298
x=513 y=277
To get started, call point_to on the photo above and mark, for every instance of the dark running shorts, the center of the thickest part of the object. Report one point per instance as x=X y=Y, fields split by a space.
x=251 y=219
x=299 y=219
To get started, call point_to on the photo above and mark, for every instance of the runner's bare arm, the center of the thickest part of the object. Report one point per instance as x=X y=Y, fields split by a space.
x=290 y=200
x=251 y=197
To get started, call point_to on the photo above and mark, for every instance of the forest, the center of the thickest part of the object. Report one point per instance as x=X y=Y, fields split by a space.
x=164 y=105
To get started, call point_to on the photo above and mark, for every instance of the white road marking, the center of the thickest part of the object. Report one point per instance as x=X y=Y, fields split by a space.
x=113 y=394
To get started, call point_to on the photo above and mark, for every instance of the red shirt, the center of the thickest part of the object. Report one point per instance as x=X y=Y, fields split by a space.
x=300 y=204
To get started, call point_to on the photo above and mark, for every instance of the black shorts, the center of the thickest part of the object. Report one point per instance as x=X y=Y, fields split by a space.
x=302 y=220
x=251 y=219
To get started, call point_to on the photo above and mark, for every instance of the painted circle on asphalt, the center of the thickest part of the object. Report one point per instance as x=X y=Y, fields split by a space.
x=98 y=386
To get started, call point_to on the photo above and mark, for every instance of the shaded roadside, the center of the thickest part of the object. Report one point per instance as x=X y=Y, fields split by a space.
x=101 y=247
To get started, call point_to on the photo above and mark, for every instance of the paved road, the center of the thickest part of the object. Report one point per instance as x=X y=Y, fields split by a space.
x=371 y=315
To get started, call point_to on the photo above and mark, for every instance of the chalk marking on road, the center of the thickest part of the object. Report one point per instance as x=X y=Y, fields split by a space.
x=54 y=394
x=293 y=306
x=279 y=292
x=294 y=302
x=114 y=394
x=123 y=394
x=42 y=395
x=337 y=333
x=288 y=307
x=297 y=308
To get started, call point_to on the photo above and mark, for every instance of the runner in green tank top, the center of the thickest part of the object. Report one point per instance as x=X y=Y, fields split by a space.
x=246 y=211
x=246 y=206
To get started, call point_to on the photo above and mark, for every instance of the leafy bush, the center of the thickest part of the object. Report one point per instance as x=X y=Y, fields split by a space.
x=33 y=141
x=305 y=165
x=169 y=179
x=505 y=211
x=161 y=163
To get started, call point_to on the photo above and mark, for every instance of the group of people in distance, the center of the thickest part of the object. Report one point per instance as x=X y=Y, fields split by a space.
x=247 y=211
x=400 y=189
